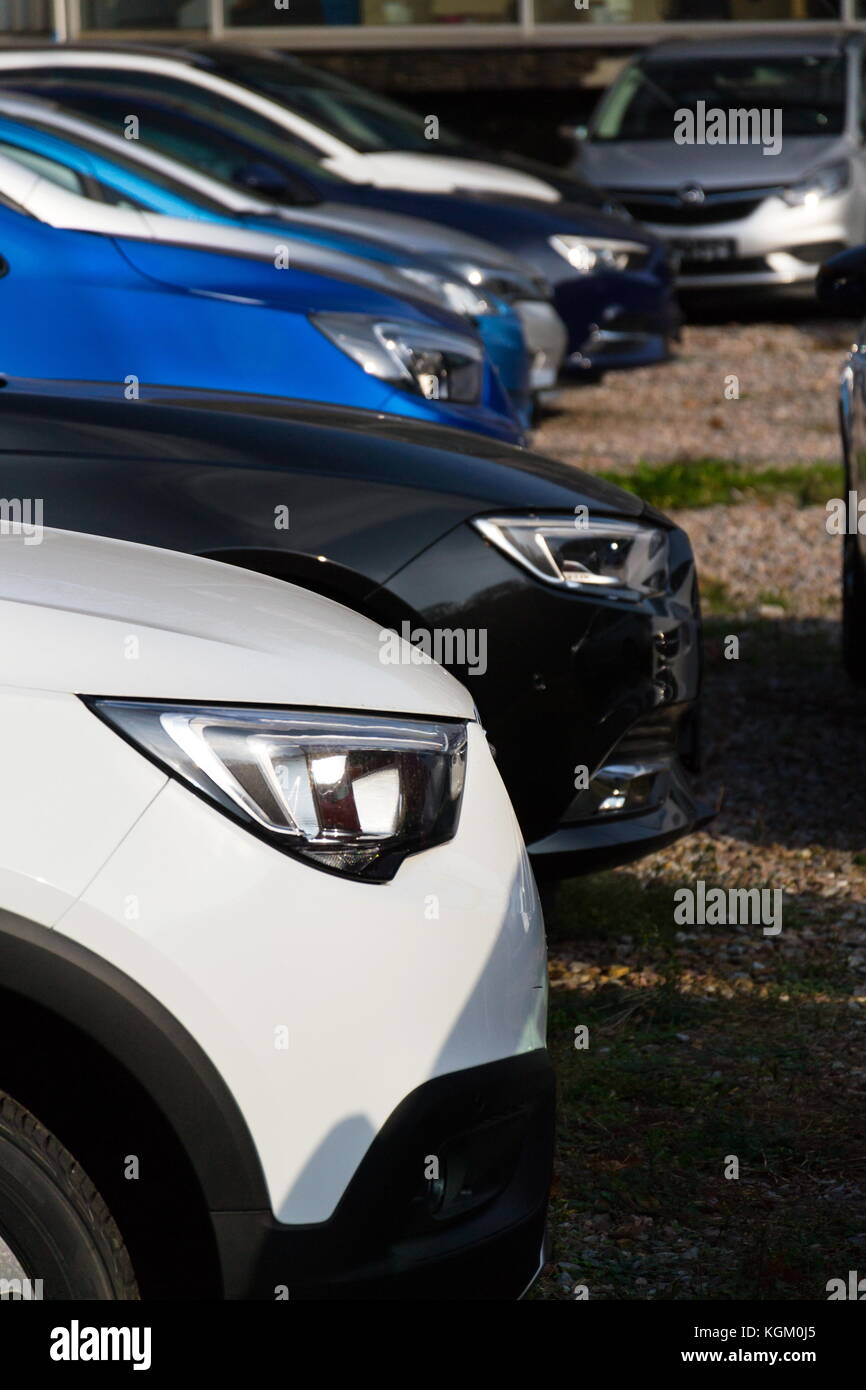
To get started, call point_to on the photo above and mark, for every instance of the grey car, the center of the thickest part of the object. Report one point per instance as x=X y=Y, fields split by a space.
x=745 y=155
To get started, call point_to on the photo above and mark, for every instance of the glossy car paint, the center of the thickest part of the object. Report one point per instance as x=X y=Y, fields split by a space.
x=399 y=168
x=733 y=192
x=112 y=307
x=231 y=932
x=379 y=517
x=93 y=171
x=614 y=318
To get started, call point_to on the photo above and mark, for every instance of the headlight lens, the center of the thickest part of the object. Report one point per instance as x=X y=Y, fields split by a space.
x=623 y=558
x=353 y=793
x=460 y=298
x=823 y=183
x=502 y=281
x=426 y=359
x=590 y=254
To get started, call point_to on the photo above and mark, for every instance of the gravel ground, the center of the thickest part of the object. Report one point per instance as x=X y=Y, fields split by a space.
x=784 y=736
x=785 y=411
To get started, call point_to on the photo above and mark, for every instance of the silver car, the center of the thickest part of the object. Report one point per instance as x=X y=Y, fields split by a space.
x=745 y=155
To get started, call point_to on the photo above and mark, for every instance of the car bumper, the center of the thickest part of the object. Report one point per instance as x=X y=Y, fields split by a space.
x=591 y=684
x=587 y=844
x=546 y=340
x=775 y=246
x=395 y=1235
x=618 y=320
x=320 y=1001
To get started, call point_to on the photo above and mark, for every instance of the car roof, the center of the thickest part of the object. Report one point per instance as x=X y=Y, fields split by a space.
x=202 y=54
x=767 y=44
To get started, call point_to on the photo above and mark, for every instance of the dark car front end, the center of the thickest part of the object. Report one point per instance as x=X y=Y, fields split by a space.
x=569 y=608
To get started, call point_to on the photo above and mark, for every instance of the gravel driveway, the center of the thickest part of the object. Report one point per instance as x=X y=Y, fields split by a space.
x=786 y=373
x=784 y=736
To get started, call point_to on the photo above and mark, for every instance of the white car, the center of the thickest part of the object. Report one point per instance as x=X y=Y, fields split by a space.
x=344 y=126
x=272 y=968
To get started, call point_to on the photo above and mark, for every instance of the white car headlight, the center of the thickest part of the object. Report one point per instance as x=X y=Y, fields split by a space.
x=425 y=359
x=352 y=793
x=455 y=295
x=821 y=183
x=626 y=559
x=502 y=282
x=588 y=254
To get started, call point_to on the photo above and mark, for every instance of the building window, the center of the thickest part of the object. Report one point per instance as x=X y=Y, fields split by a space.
x=658 y=11
x=368 y=12
x=119 y=15
x=22 y=18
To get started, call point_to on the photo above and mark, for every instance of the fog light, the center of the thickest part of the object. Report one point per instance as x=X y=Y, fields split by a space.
x=619 y=789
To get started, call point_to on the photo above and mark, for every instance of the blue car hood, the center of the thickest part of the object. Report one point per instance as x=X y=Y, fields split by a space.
x=301 y=291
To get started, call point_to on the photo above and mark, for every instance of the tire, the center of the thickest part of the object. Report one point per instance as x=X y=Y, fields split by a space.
x=53 y=1219
x=853 y=611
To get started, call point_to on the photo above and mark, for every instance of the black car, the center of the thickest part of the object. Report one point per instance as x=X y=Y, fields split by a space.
x=567 y=606
x=841 y=287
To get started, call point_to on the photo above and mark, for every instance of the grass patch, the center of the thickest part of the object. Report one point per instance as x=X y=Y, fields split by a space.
x=648 y=1123
x=607 y=905
x=704 y=482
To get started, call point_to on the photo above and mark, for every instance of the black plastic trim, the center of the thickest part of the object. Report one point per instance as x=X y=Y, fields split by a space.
x=44 y=967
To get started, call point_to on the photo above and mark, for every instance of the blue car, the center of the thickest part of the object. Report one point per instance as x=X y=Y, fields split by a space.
x=131 y=308
x=612 y=281
x=68 y=151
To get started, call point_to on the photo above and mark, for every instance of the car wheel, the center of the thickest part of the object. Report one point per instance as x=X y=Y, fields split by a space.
x=52 y=1219
x=853 y=611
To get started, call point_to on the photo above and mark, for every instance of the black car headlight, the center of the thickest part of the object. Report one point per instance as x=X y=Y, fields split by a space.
x=353 y=793
x=430 y=361
x=625 y=559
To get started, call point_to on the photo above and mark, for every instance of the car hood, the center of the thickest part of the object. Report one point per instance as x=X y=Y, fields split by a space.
x=59 y=208
x=71 y=604
x=393 y=230
x=439 y=173
x=647 y=164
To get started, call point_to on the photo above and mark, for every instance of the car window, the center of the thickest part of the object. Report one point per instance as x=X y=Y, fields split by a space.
x=808 y=89
x=364 y=120
x=213 y=145
x=46 y=168
x=188 y=96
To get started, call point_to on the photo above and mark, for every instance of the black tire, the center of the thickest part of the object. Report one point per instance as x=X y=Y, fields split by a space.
x=853 y=611
x=52 y=1217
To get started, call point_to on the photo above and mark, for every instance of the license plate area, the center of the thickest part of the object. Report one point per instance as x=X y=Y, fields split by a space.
x=703 y=250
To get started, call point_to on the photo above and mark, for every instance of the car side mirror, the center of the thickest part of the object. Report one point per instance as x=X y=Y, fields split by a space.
x=841 y=283
x=260 y=177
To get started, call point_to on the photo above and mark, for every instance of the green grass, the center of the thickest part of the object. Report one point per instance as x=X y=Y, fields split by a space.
x=704 y=482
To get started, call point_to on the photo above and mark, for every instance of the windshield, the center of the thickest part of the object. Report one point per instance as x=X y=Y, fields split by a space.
x=220 y=145
x=809 y=91
x=367 y=122
x=66 y=176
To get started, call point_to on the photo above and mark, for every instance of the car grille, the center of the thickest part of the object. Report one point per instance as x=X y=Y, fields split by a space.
x=667 y=207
